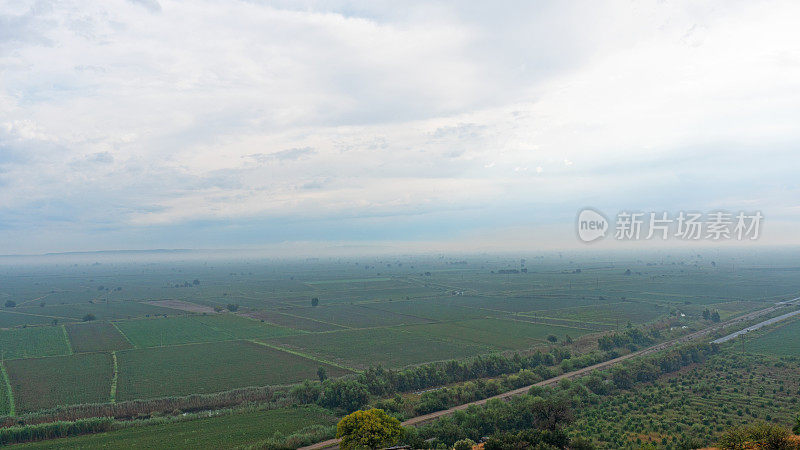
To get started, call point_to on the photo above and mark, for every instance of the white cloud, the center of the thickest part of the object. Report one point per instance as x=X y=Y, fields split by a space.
x=144 y=113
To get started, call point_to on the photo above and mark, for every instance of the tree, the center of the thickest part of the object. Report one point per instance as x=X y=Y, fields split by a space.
x=89 y=317
x=464 y=444
x=10 y=303
x=796 y=429
x=368 y=429
x=552 y=338
x=706 y=314
x=322 y=374
x=314 y=301
x=232 y=307
x=715 y=316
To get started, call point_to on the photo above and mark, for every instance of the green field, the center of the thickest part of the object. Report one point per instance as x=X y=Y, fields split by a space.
x=33 y=342
x=95 y=337
x=224 y=431
x=784 y=340
x=393 y=347
x=242 y=327
x=5 y=399
x=41 y=383
x=170 y=331
x=355 y=316
x=298 y=323
x=498 y=334
x=209 y=367
x=10 y=319
x=635 y=312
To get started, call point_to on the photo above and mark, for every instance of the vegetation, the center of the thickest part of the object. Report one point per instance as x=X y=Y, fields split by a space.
x=368 y=429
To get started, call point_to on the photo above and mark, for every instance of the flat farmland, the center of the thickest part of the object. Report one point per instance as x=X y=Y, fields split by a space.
x=113 y=310
x=222 y=431
x=242 y=327
x=169 y=331
x=95 y=337
x=355 y=316
x=781 y=341
x=41 y=383
x=209 y=367
x=445 y=309
x=5 y=400
x=635 y=312
x=33 y=342
x=524 y=304
x=391 y=347
x=10 y=319
x=298 y=323
x=498 y=334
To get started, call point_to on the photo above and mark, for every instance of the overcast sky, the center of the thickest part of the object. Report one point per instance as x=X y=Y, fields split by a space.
x=223 y=124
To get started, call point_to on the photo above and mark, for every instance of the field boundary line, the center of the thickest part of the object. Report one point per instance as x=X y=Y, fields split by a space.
x=113 y=396
x=123 y=334
x=11 y=407
x=304 y=355
x=316 y=320
x=66 y=339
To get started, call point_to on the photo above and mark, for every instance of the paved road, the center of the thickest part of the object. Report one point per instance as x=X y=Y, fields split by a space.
x=334 y=443
x=759 y=325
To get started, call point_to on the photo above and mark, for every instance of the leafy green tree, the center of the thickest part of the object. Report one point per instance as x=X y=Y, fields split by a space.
x=10 y=303
x=368 y=429
x=464 y=444
x=796 y=429
x=322 y=374
x=89 y=317
x=552 y=338
x=315 y=301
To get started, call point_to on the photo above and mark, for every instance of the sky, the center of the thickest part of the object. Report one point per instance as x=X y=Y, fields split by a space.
x=446 y=125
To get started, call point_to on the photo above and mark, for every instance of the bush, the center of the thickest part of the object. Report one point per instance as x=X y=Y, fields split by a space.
x=29 y=433
x=89 y=317
x=10 y=303
x=368 y=429
x=464 y=444
x=759 y=435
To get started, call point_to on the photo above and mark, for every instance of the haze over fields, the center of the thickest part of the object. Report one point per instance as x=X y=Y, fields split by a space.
x=301 y=126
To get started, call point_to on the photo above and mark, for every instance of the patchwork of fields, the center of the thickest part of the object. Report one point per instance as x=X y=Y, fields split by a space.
x=783 y=340
x=190 y=328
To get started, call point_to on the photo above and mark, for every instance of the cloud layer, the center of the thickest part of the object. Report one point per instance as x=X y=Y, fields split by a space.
x=149 y=123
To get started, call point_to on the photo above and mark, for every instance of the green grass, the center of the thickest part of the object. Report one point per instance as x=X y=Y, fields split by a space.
x=207 y=368
x=41 y=383
x=781 y=341
x=33 y=342
x=224 y=431
x=95 y=337
x=388 y=346
x=446 y=309
x=348 y=280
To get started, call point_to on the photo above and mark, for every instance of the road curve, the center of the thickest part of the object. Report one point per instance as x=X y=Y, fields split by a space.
x=334 y=443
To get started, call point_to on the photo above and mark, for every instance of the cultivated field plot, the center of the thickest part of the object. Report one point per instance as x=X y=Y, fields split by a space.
x=41 y=383
x=5 y=401
x=33 y=342
x=169 y=331
x=609 y=314
x=299 y=323
x=355 y=316
x=498 y=334
x=439 y=310
x=243 y=327
x=95 y=337
x=209 y=367
x=391 y=347
x=224 y=431
x=781 y=341
x=524 y=304
x=102 y=311
x=10 y=319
